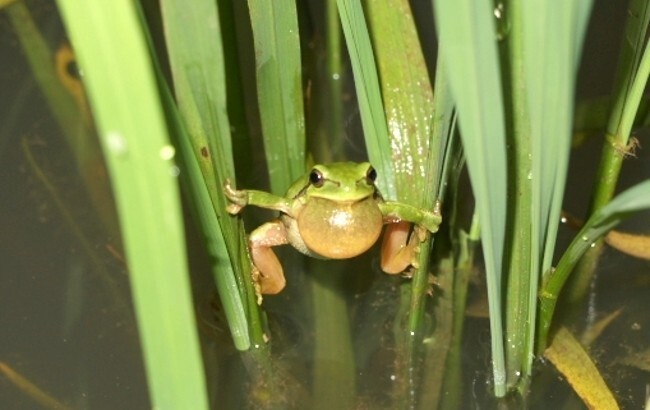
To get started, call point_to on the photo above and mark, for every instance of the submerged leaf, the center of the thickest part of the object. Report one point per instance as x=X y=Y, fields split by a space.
x=29 y=388
x=570 y=359
x=639 y=360
x=633 y=245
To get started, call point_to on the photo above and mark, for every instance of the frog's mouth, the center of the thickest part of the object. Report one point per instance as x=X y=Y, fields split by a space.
x=346 y=200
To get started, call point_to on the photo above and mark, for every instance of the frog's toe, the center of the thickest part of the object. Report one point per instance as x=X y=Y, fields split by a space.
x=432 y=222
x=233 y=209
x=238 y=199
x=255 y=274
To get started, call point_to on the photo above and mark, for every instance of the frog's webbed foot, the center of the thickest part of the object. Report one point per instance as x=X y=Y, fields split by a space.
x=238 y=199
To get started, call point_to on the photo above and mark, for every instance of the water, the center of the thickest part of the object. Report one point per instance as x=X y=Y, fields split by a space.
x=67 y=323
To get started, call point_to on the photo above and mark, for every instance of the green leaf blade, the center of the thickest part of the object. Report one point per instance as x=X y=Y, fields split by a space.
x=279 y=89
x=196 y=58
x=126 y=104
x=368 y=90
x=468 y=44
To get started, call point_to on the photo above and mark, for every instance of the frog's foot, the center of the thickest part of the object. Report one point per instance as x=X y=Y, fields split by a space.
x=432 y=283
x=418 y=236
x=396 y=249
x=255 y=275
x=431 y=219
x=238 y=199
x=267 y=273
x=400 y=247
x=409 y=272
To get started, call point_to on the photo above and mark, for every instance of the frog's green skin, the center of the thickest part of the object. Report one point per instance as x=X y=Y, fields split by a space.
x=333 y=212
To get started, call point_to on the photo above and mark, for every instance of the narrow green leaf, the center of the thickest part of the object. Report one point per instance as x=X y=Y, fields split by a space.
x=279 y=89
x=125 y=101
x=632 y=200
x=633 y=99
x=468 y=46
x=549 y=66
x=416 y=152
x=628 y=84
x=632 y=48
x=196 y=59
x=628 y=89
x=548 y=59
x=408 y=100
x=368 y=90
x=222 y=268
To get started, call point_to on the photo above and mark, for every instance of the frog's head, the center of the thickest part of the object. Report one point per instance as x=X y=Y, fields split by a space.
x=342 y=181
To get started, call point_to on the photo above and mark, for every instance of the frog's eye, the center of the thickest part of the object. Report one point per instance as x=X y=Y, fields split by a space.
x=371 y=175
x=316 y=178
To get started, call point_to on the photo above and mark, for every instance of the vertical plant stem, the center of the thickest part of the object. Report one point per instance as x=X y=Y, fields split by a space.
x=416 y=154
x=468 y=45
x=334 y=366
x=519 y=251
x=631 y=80
x=334 y=79
x=436 y=347
x=632 y=200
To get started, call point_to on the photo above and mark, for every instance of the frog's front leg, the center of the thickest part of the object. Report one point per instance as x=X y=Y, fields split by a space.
x=268 y=275
x=399 y=244
x=240 y=198
x=396 y=211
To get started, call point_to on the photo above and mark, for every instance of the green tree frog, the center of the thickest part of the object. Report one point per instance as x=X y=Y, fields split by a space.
x=333 y=212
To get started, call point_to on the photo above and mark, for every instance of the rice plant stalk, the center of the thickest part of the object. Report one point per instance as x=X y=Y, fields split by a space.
x=617 y=144
x=545 y=43
x=622 y=206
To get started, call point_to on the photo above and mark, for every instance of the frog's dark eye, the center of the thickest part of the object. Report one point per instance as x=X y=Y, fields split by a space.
x=371 y=175
x=316 y=178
